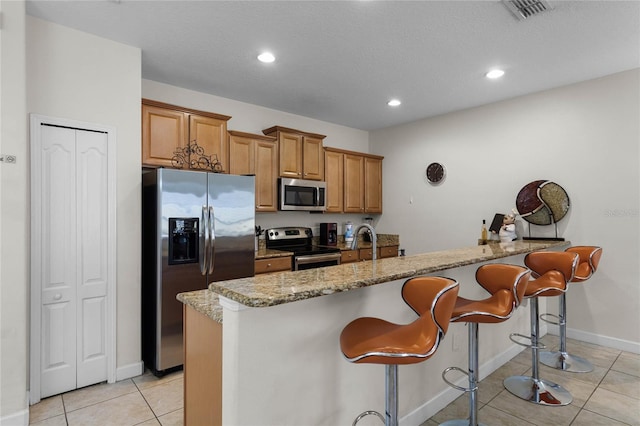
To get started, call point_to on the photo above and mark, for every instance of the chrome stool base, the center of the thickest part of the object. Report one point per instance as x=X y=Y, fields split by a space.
x=367 y=413
x=565 y=362
x=459 y=422
x=541 y=392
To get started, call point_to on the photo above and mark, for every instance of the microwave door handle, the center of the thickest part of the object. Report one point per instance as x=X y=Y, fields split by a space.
x=212 y=238
x=203 y=241
x=317 y=195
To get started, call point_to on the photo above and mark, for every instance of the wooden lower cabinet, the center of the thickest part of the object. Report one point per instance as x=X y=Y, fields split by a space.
x=388 y=251
x=367 y=254
x=273 y=264
x=202 y=369
x=349 y=256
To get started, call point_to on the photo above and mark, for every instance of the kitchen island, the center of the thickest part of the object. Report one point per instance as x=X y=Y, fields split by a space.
x=275 y=346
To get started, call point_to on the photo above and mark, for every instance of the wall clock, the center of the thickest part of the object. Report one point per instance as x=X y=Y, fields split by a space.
x=435 y=173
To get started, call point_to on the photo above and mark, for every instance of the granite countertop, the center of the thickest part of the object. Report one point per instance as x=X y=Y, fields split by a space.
x=204 y=301
x=274 y=289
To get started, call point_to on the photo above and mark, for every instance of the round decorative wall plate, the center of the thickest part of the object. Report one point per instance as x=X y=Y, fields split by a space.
x=542 y=202
x=435 y=173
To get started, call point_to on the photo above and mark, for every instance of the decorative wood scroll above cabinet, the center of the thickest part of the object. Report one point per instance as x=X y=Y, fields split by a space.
x=167 y=129
x=301 y=154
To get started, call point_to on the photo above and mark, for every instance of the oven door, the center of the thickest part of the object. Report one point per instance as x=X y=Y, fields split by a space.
x=315 y=261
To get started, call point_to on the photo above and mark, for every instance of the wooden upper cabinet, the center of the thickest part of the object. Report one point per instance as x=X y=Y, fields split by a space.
x=167 y=128
x=301 y=154
x=257 y=155
x=312 y=158
x=334 y=176
x=211 y=135
x=373 y=184
x=353 y=183
x=163 y=131
x=290 y=155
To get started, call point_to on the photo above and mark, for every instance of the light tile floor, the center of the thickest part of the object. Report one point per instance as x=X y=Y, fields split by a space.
x=610 y=395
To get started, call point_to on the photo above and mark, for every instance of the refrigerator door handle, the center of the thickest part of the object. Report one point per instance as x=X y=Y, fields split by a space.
x=203 y=241
x=212 y=238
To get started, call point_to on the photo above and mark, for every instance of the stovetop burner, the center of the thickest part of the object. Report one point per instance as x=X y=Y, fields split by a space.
x=298 y=240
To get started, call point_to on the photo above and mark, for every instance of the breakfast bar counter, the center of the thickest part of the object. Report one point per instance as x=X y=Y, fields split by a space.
x=273 y=354
x=274 y=289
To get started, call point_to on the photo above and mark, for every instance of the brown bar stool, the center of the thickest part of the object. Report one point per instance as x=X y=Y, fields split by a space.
x=552 y=271
x=376 y=341
x=588 y=260
x=507 y=285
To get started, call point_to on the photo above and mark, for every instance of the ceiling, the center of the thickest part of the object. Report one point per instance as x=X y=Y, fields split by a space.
x=341 y=61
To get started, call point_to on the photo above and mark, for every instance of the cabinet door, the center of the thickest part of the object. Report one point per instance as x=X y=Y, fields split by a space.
x=202 y=369
x=210 y=134
x=373 y=185
x=353 y=183
x=163 y=131
x=365 y=254
x=334 y=176
x=241 y=158
x=290 y=155
x=266 y=171
x=349 y=256
x=312 y=158
x=388 y=251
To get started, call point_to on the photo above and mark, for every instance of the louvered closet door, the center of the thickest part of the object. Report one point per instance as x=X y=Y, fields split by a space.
x=74 y=259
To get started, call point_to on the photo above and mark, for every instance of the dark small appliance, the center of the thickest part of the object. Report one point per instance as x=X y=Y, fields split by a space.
x=328 y=234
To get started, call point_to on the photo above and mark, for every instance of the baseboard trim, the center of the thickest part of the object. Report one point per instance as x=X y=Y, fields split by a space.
x=447 y=396
x=598 y=339
x=129 y=371
x=19 y=418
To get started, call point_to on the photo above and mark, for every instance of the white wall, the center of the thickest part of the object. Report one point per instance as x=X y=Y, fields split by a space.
x=14 y=218
x=585 y=137
x=78 y=76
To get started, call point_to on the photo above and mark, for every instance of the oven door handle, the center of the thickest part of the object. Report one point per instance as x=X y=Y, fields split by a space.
x=305 y=260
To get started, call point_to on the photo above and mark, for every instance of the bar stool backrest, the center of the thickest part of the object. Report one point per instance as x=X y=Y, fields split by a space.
x=589 y=259
x=432 y=298
x=495 y=277
x=543 y=262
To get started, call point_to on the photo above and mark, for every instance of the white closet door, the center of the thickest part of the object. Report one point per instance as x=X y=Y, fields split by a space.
x=75 y=258
x=92 y=262
x=58 y=253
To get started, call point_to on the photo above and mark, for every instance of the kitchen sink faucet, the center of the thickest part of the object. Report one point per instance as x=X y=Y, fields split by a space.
x=374 y=238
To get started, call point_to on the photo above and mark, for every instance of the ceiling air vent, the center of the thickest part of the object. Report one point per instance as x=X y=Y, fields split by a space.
x=524 y=9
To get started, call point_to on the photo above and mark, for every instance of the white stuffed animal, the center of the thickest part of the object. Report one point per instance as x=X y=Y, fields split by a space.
x=507 y=231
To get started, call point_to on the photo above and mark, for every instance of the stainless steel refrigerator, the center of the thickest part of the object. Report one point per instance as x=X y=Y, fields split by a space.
x=197 y=227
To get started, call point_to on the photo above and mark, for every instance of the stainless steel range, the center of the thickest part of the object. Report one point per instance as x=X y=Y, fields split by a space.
x=299 y=240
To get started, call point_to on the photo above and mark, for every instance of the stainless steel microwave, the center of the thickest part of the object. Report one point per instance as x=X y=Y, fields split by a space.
x=300 y=194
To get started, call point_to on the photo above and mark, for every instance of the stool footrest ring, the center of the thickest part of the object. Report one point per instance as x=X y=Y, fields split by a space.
x=513 y=336
x=460 y=388
x=368 y=413
x=543 y=317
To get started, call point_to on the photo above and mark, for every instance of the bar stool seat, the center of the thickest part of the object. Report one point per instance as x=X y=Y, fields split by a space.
x=588 y=260
x=506 y=285
x=376 y=341
x=552 y=271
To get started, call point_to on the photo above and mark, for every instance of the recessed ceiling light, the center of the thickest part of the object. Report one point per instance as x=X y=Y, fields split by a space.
x=494 y=74
x=394 y=102
x=266 y=57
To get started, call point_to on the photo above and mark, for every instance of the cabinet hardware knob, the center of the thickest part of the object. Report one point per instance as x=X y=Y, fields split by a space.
x=58 y=296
